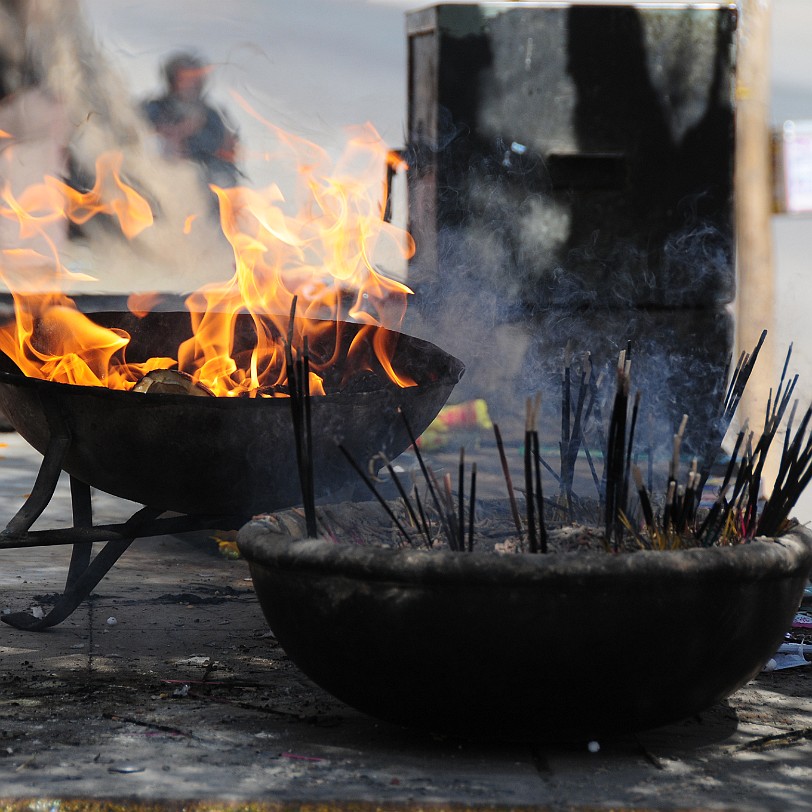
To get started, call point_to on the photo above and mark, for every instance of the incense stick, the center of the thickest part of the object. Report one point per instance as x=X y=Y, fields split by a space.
x=307 y=440
x=472 y=509
x=424 y=521
x=645 y=502
x=528 y=482
x=514 y=509
x=298 y=373
x=539 y=494
x=426 y=474
x=613 y=467
x=404 y=496
x=374 y=491
x=461 y=502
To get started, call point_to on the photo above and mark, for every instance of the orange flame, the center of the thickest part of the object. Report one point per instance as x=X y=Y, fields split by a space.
x=109 y=195
x=316 y=245
x=140 y=304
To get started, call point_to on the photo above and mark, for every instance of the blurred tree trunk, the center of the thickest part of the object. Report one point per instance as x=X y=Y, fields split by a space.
x=755 y=301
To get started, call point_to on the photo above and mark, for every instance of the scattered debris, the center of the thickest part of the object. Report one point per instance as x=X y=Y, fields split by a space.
x=297 y=757
x=125 y=769
x=197 y=661
x=226 y=541
x=172 y=731
x=778 y=740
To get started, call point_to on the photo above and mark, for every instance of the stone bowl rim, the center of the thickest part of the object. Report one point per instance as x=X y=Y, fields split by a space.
x=262 y=542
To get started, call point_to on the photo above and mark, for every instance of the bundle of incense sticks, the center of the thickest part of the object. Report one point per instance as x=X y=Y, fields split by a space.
x=673 y=520
x=735 y=513
x=727 y=408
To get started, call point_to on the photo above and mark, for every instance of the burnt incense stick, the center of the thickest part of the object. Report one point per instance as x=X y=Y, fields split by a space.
x=794 y=475
x=595 y=406
x=673 y=471
x=576 y=436
x=733 y=382
x=451 y=516
x=595 y=478
x=566 y=395
x=445 y=510
x=668 y=509
x=645 y=502
x=774 y=417
x=784 y=374
x=374 y=491
x=613 y=466
x=550 y=470
x=461 y=502
x=423 y=519
x=528 y=479
x=784 y=454
x=404 y=496
x=740 y=379
x=727 y=410
x=624 y=496
x=709 y=530
x=792 y=449
x=539 y=494
x=528 y=493
x=514 y=509
x=532 y=409
x=472 y=509
x=424 y=469
x=689 y=504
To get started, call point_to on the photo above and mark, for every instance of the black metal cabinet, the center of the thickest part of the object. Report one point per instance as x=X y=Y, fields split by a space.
x=574 y=154
x=571 y=171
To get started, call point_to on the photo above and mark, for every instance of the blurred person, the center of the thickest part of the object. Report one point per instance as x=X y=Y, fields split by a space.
x=191 y=128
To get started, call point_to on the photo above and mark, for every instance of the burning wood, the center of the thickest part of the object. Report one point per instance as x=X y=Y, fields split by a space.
x=172 y=382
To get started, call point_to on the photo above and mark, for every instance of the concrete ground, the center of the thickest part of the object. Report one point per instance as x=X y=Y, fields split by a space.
x=167 y=687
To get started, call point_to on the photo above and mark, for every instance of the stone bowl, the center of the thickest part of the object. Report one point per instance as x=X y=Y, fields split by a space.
x=563 y=646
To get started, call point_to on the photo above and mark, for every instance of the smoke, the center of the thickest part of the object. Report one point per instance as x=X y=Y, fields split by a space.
x=507 y=276
x=47 y=47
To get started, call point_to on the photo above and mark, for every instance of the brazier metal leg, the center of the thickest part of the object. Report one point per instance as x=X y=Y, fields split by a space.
x=80 y=589
x=47 y=476
x=84 y=574
x=82 y=517
x=83 y=577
